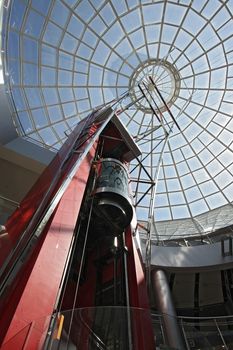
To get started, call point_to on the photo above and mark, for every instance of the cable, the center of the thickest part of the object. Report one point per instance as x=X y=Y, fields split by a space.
x=80 y=271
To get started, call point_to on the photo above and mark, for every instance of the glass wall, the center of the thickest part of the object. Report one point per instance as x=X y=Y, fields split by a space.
x=119 y=328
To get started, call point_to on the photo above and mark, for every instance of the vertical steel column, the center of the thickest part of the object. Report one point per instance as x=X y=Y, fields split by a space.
x=130 y=341
x=165 y=306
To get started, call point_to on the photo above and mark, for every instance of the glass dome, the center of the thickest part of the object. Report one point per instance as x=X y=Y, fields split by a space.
x=65 y=57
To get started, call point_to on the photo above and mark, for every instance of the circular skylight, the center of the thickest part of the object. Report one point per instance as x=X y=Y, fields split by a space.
x=65 y=57
x=150 y=73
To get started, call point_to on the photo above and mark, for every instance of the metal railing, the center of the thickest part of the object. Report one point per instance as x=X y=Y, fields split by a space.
x=105 y=328
x=199 y=332
x=88 y=329
x=193 y=240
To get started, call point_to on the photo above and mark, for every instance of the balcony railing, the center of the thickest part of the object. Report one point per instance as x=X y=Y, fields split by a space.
x=199 y=332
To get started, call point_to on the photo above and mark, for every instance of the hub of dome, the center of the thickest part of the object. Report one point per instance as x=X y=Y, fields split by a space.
x=166 y=78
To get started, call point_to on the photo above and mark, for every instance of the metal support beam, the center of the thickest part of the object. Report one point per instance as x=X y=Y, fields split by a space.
x=164 y=102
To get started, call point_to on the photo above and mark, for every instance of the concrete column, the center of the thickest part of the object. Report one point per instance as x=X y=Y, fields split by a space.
x=165 y=306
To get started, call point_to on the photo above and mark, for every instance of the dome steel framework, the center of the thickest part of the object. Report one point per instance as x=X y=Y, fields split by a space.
x=62 y=58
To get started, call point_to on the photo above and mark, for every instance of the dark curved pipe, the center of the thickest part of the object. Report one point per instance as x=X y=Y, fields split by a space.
x=165 y=306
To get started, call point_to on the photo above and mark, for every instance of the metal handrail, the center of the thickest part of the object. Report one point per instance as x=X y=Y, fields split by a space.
x=100 y=343
x=196 y=318
x=206 y=238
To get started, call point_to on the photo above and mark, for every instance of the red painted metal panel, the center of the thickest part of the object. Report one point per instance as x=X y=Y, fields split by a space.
x=137 y=283
x=47 y=184
x=40 y=293
x=139 y=297
x=42 y=192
